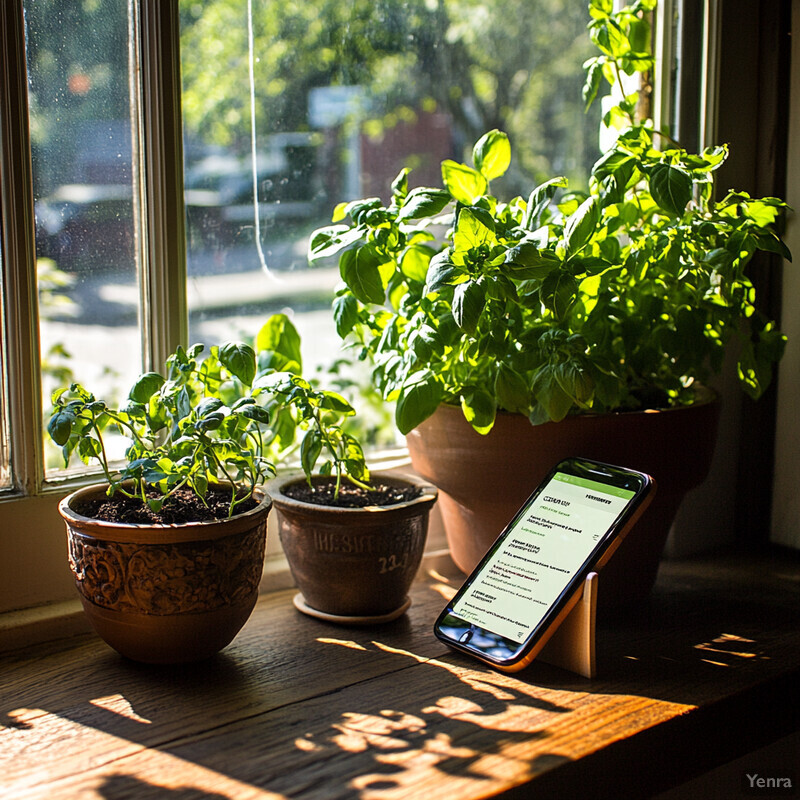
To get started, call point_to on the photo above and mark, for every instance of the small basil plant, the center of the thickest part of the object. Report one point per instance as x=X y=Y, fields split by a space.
x=620 y=296
x=223 y=419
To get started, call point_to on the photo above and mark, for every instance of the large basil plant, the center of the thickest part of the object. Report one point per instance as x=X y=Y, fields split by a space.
x=621 y=297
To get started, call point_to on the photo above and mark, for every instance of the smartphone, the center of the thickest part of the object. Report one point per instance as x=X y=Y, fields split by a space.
x=533 y=574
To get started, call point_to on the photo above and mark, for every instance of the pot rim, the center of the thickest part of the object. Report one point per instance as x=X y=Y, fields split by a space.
x=275 y=487
x=160 y=531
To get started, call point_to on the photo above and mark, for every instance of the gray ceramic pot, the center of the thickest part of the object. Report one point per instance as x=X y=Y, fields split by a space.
x=356 y=564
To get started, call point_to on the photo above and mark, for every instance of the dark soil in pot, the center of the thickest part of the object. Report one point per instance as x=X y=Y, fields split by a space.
x=181 y=507
x=352 y=496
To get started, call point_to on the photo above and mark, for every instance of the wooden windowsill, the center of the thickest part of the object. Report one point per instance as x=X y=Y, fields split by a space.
x=706 y=672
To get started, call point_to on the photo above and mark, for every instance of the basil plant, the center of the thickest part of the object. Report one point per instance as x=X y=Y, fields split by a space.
x=221 y=418
x=623 y=296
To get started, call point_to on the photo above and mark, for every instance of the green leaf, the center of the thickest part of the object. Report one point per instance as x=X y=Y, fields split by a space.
x=88 y=449
x=581 y=225
x=418 y=399
x=464 y=183
x=345 y=313
x=471 y=231
x=255 y=413
x=540 y=199
x=479 y=409
x=200 y=484
x=550 y=395
x=422 y=203
x=210 y=422
x=763 y=214
x=469 y=300
x=671 y=188
x=512 y=391
x=492 y=154
x=240 y=360
x=615 y=163
x=332 y=401
x=208 y=406
x=574 y=381
x=145 y=387
x=59 y=427
x=558 y=292
x=310 y=449
x=528 y=262
x=441 y=272
x=360 y=271
x=414 y=262
x=639 y=35
x=772 y=243
x=183 y=403
x=278 y=334
x=600 y=9
x=594 y=78
x=400 y=183
x=329 y=241
x=609 y=37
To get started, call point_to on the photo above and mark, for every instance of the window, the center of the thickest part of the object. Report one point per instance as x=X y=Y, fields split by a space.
x=132 y=228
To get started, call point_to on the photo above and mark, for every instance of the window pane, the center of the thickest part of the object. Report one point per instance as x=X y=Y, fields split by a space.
x=83 y=189
x=345 y=95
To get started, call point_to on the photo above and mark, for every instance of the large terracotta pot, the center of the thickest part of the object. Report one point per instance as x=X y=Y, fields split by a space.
x=353 y=565
x=484 y=479
x=166 y=594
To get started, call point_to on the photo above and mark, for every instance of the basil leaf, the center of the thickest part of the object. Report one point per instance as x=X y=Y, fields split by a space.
x=492 y=154
x=360 y=271
x=240 y=360
x=145 y=387
x=671 y=188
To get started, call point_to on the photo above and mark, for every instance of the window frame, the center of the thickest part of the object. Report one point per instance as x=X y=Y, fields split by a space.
x=32 y=549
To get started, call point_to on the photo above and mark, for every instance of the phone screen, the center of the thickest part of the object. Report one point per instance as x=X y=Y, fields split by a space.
x=538 y=556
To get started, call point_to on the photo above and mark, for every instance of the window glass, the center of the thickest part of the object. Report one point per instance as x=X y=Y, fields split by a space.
x=78 y=70
x=344 y=95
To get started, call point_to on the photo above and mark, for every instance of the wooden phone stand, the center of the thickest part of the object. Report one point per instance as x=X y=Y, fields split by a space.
x=571 y=646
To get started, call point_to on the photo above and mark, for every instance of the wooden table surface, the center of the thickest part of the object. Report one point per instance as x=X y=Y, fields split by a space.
x=295 y=707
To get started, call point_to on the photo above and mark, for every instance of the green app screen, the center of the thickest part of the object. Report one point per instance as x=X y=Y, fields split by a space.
x=540 y=554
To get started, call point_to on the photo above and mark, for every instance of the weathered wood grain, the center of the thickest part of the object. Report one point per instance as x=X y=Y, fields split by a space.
x=299 y=708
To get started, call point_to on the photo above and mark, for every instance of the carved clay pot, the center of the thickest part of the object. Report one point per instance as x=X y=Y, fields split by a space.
x=353 y=565
x=483 y=480
x=166 y=594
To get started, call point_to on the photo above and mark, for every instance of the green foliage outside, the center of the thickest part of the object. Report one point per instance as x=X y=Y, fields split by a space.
x=510 y=64
x=622 y=297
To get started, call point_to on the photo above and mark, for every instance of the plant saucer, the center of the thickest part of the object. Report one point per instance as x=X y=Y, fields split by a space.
x=341 y=619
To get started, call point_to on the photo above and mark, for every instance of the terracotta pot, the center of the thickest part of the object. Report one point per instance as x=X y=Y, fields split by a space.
x=353 y=564
x=166 y=594
x=484 y=479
